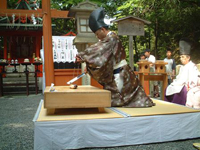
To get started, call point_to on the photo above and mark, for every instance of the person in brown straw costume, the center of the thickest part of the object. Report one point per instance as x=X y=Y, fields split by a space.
x=105 y=62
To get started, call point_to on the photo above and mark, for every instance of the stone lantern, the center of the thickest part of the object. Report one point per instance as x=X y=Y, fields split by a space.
x=85 y=37
x=81 y=13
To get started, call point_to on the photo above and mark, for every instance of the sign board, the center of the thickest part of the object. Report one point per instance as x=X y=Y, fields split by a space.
x=131 y=27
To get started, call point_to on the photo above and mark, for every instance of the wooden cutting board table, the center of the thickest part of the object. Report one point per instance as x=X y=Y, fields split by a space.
x=82 y=97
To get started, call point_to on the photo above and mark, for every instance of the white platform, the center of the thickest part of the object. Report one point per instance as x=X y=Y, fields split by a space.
x=123 y=129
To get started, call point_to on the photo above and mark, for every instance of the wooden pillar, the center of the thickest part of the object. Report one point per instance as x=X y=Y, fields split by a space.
x=3 y=4
x=47 y=35
x=5 y=48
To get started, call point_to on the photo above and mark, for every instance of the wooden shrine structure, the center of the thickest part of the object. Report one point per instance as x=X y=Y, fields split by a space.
x=46 y=13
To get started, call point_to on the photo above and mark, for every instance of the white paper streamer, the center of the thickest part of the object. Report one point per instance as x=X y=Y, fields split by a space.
x=63 y=49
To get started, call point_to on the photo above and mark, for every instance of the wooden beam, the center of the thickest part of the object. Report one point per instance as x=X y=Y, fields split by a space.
x=20 y=33
x=37 y=13
x=47 y=37
x=3 y=4
x=21 y=12
x=59 y=13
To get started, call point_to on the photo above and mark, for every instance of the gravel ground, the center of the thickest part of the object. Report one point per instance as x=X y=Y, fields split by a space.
x=17 y=128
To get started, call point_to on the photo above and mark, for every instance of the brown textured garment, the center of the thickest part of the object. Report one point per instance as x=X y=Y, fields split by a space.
x=100 y=58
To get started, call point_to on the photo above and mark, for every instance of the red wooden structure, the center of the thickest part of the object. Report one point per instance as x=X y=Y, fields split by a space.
x=32 y=40
x=34 y=36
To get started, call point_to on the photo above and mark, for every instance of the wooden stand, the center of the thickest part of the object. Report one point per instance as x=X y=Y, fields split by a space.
x=160 y=66
x=82 y=97
x=3 y=65
x=159 y=74
x=15 y=65
x=154 y=77
x=2 y=85
x=144 y=66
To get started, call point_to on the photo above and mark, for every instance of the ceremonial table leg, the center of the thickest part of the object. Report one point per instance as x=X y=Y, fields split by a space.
x=3 y=69
x=165 y=83
x=141 y=78
x=1 y=85
x=15 y=71
x=27 y=84
x=101 y=109
x=36 y=85
x=50 y=111
x=37 y=68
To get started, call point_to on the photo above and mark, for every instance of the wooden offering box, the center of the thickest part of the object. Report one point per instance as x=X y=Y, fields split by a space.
x=144 y=66
x=160 y=66
x=82 y=97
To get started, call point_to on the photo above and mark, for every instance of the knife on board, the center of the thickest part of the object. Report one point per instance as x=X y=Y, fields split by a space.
x=76 y=78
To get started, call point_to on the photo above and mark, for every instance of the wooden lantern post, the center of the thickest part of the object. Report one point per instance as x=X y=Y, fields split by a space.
x=131 y=26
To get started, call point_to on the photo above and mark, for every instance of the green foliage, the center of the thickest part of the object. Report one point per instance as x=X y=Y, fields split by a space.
x=170 y=21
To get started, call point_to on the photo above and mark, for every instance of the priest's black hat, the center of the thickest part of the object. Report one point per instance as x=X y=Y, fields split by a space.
x=185 y=46
x=96 y=19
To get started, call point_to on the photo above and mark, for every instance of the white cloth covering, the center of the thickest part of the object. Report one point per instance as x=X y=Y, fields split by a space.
x=193 y=98
x=188 y=76
x=75 y=134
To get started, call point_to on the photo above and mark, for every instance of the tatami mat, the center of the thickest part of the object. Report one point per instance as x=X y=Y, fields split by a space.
x=76 y=114
x=161 y=108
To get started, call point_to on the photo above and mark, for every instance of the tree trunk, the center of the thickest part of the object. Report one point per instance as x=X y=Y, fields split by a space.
x=156 y=37
x=149 y=39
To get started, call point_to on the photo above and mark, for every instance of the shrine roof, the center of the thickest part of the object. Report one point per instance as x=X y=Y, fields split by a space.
x=19 y=21
x=132 y=17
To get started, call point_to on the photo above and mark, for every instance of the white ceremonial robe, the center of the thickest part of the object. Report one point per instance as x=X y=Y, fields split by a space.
x=118 y=79
x=193 y=98
x=188 y=76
